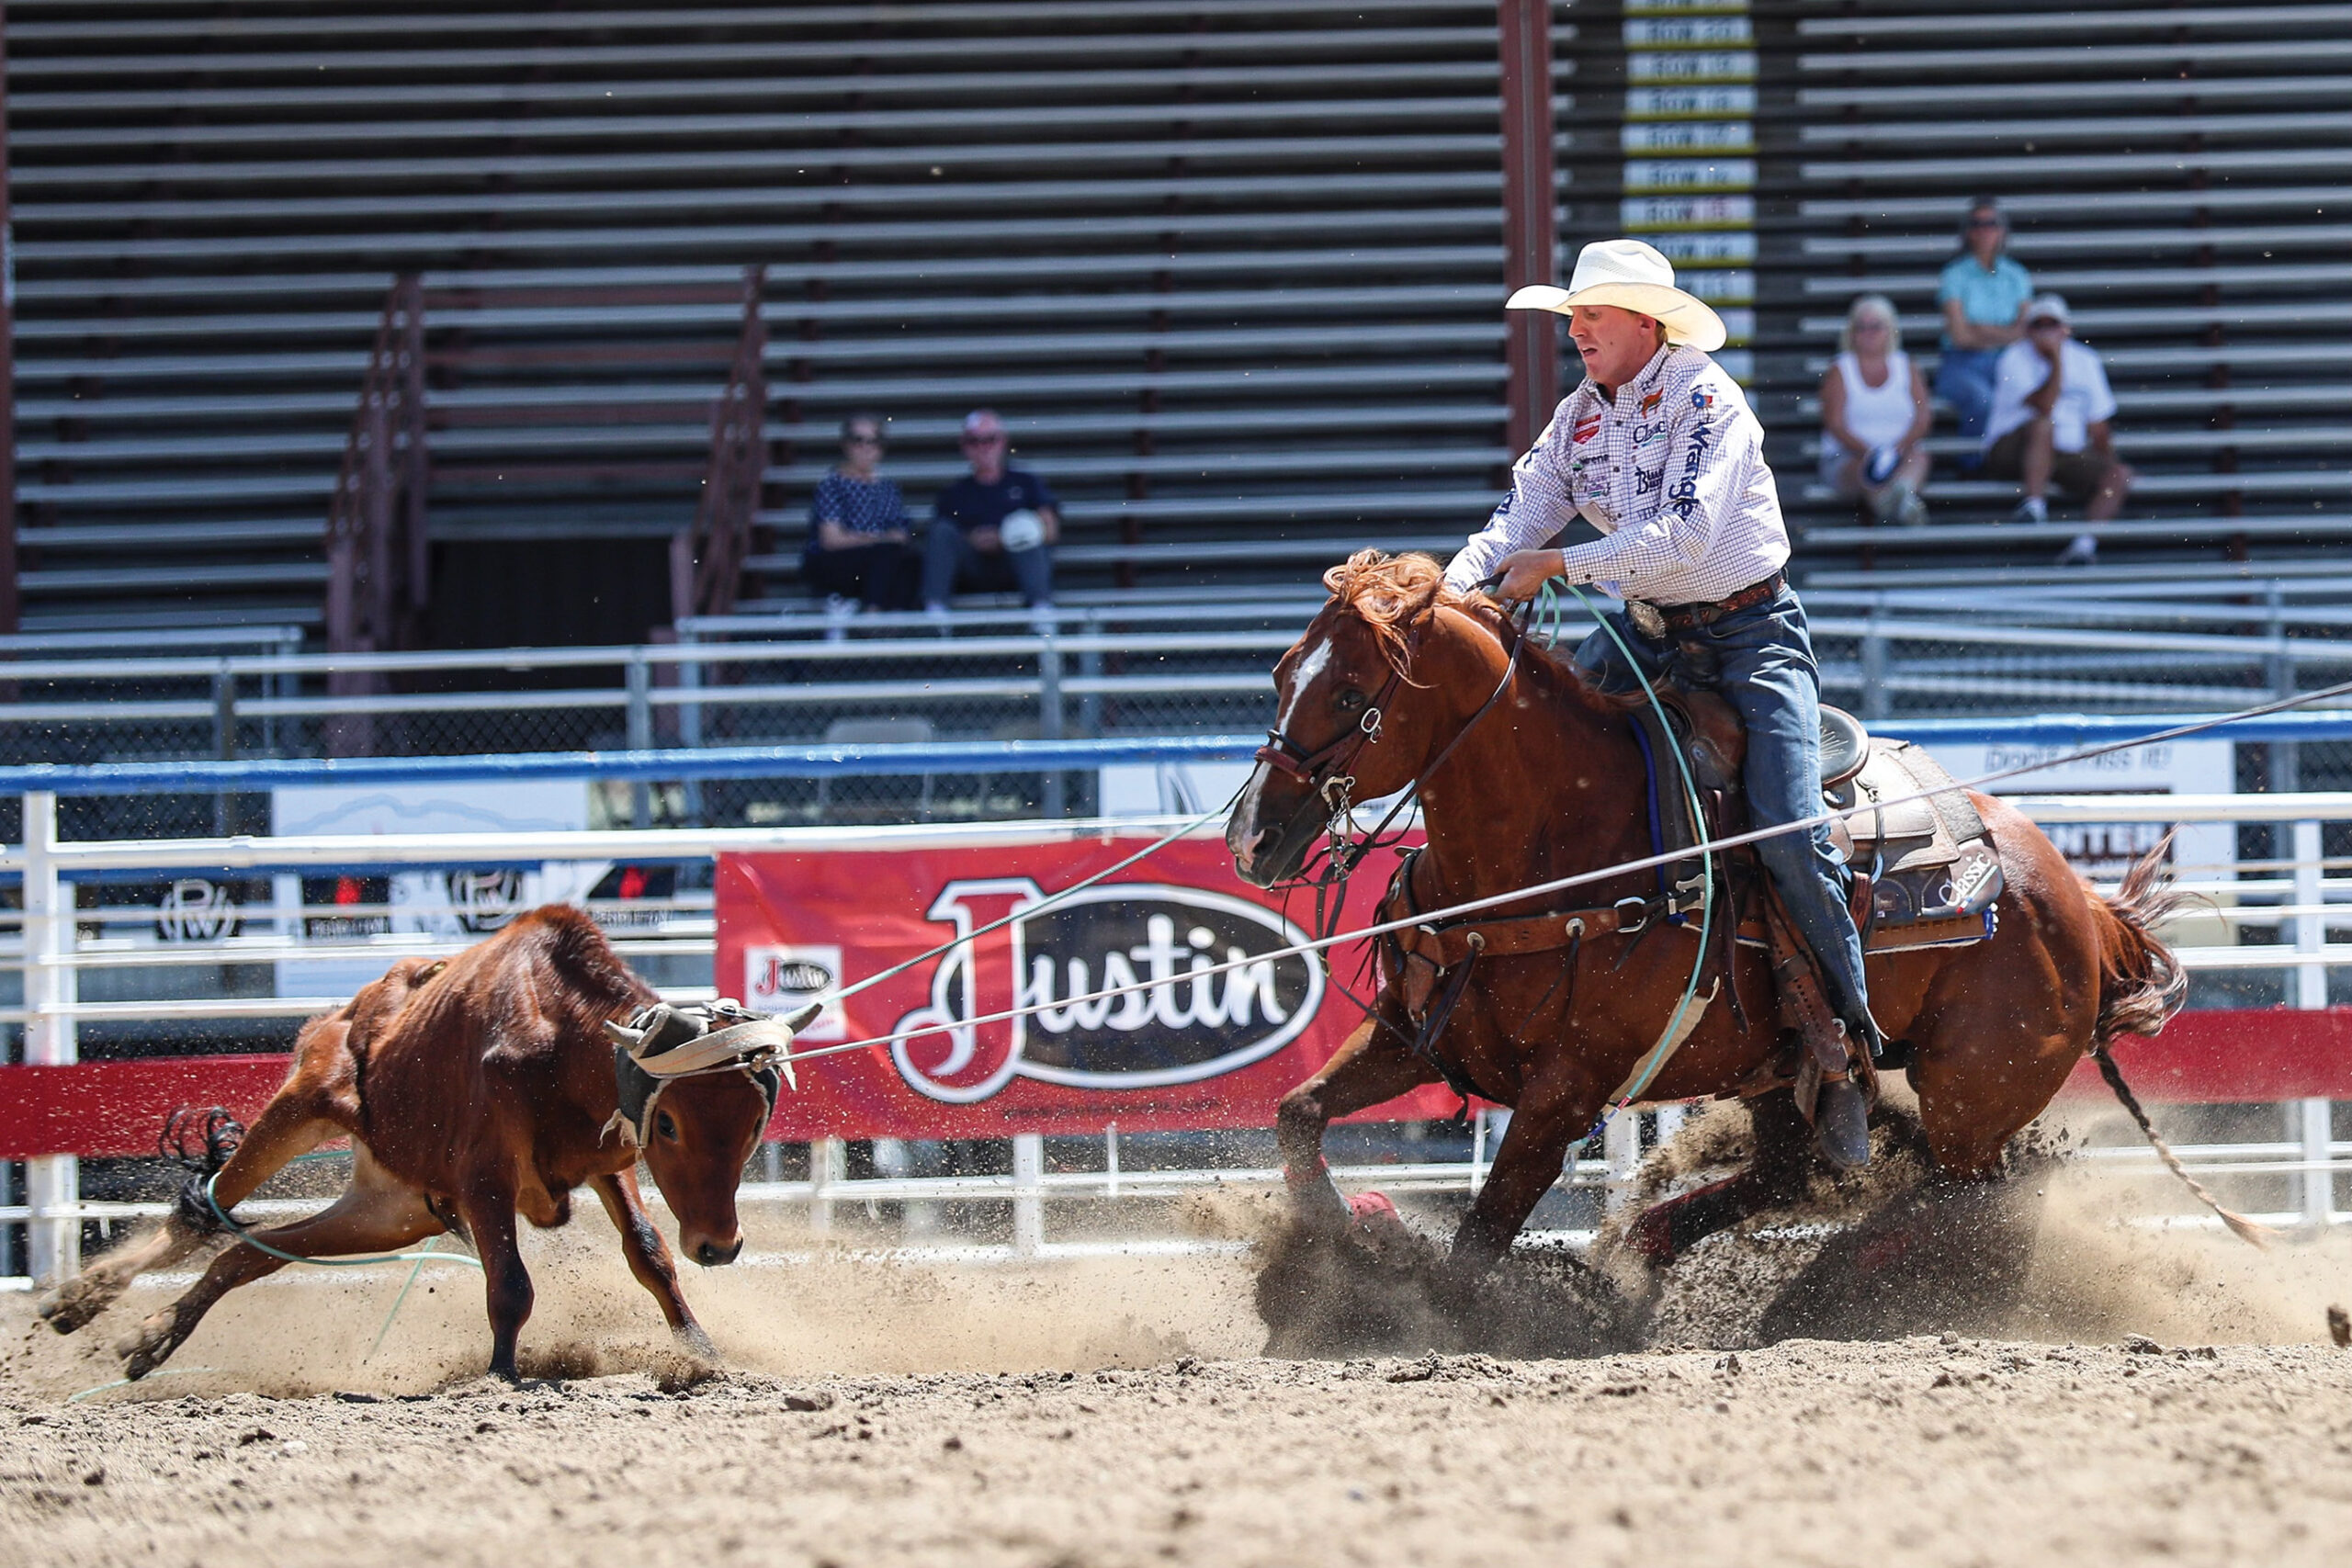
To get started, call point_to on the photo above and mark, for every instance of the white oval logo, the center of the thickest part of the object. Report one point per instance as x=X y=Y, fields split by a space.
x=1174 y=1021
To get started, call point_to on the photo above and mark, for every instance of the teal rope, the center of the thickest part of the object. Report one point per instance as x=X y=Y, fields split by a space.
x=241 y=1233
x=1655 y=1061
x=126 y=1383
x=402 y=1299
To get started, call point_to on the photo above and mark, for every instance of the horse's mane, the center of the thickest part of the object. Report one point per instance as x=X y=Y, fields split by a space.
x=1392 y=595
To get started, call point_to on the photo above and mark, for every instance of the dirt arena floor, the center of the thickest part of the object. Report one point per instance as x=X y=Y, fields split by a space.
x=2127 y=1396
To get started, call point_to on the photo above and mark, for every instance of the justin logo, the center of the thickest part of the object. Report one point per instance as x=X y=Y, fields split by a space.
x=1180 y=1025
x=778 y=979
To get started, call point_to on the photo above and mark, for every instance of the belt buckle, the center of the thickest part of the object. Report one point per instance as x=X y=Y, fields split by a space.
x=1646 y=618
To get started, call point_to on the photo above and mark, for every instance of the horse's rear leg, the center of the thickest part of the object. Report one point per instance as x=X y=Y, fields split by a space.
x=1374 y=1063
x=290 y=1124
x=649 y=1258
x=1775 y=1175
x=374 y=1214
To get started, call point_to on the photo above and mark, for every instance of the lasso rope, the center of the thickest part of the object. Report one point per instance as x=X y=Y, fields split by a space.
x=1671 y=1037
x=250 y=1239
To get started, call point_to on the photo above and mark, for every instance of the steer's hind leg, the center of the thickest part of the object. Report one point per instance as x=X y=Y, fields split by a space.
x=374 y=1214
x=291 y=1125
x=649 y=1258
x=1374 y=1063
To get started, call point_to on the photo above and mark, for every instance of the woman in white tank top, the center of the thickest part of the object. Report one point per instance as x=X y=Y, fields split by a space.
x=1875 y=416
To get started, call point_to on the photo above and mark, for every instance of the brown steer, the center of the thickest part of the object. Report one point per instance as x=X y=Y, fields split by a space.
x=473 y=1089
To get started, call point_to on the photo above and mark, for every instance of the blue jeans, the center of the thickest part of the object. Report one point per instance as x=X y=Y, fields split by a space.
x=949 y=562
x=1965 y=380
x=1761 y=659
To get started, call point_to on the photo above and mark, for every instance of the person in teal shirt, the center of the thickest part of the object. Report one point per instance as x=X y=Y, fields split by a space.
x=1983 y=295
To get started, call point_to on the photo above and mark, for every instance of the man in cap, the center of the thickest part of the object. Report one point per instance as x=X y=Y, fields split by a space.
x=2050 y=409
x=989 y=529
x=1659 y=451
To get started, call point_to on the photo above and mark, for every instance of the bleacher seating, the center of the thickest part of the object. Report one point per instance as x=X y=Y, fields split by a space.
x=1223 y=265
x=2174 y=172
x=1231 y=268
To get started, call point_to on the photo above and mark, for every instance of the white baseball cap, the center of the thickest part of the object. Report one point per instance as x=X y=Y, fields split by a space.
x=2048 y=307
x=1635 y=276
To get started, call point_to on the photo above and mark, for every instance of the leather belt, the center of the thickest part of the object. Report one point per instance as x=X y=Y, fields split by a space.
x=1656 y=620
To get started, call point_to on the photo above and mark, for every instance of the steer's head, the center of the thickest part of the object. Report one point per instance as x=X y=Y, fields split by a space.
x=696 y=1089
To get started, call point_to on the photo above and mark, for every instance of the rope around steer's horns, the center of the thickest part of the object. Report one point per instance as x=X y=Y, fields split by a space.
x=758 y=1047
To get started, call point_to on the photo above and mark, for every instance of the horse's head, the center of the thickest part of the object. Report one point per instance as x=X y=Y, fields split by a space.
x=695 y=1092
x=1350 y=722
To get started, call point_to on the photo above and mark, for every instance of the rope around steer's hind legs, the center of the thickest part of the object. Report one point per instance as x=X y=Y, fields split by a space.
x=241 y=1233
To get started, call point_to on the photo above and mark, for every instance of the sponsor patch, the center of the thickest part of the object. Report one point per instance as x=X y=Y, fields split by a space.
x=1646 y=482
x=1586 y=430
x=1702 y=400
x=1649 y=404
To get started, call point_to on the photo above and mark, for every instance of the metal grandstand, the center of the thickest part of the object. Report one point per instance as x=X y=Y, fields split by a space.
x=1231 y=267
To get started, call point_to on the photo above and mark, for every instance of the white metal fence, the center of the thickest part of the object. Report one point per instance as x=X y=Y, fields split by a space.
x=2292 y=906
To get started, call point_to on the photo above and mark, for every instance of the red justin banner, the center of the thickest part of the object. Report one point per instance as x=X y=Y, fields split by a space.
x=1189 y=1050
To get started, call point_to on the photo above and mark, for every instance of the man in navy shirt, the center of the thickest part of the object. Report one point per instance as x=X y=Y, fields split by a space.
x=990 y=528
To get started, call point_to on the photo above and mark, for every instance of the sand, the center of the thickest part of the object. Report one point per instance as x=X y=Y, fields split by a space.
x=2126 y=1395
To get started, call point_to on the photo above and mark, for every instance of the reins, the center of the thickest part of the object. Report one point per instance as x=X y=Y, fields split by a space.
x=1321 y=772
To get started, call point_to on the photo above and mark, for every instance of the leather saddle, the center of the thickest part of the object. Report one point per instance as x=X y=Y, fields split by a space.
x=1926 y=873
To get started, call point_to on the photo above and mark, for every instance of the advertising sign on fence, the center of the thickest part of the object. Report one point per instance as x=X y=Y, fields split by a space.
x=1187 y=1048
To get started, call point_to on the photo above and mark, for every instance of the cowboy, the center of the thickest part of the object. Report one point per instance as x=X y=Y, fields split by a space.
x=1657 y=450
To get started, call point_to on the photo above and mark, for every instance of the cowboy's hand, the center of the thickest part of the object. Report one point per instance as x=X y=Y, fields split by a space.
x=1525 y=573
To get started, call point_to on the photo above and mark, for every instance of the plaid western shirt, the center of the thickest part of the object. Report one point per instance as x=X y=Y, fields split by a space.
x=1671 y=471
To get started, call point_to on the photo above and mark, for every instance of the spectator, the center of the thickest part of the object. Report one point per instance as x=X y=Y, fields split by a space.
x=2050 y=409
x=992 y=529
x=861 y=547
x=1982 y=295
x=1875 y=416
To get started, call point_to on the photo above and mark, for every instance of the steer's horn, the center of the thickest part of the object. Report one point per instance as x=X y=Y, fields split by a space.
x=622 y=1035
x=802 y=1017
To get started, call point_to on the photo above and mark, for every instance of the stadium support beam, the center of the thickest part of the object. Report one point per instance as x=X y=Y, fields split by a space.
x=1530 y=234
x=11 y=611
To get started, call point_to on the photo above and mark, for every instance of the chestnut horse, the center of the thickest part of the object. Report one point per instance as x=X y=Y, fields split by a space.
x=473 y=1089
x=1547 y=781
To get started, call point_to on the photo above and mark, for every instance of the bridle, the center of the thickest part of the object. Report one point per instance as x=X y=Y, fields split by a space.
x=1324 y=773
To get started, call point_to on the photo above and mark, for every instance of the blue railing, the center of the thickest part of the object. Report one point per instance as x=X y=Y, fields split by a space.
x=2065 y=730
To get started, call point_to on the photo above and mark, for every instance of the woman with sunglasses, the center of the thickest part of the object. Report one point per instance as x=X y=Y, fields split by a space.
x=1983 y=294
x=860 y=548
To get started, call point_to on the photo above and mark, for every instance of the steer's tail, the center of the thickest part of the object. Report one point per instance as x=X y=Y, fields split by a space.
x=2141 y=986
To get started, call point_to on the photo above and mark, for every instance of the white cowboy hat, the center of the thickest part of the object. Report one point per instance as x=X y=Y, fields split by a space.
x=1631 y=275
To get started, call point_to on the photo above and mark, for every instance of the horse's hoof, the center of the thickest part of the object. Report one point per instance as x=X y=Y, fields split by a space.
x=146 y=1351
x=1652 y=1236
x=71 y=1306
x=1841 y=1126
x=694 y=1342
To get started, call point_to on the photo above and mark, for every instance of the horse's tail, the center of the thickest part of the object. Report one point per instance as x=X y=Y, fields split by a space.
x=2141 y=986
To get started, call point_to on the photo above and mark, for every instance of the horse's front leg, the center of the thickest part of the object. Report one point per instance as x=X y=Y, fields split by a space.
x=1375 y=1063
x=1550 y=1119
